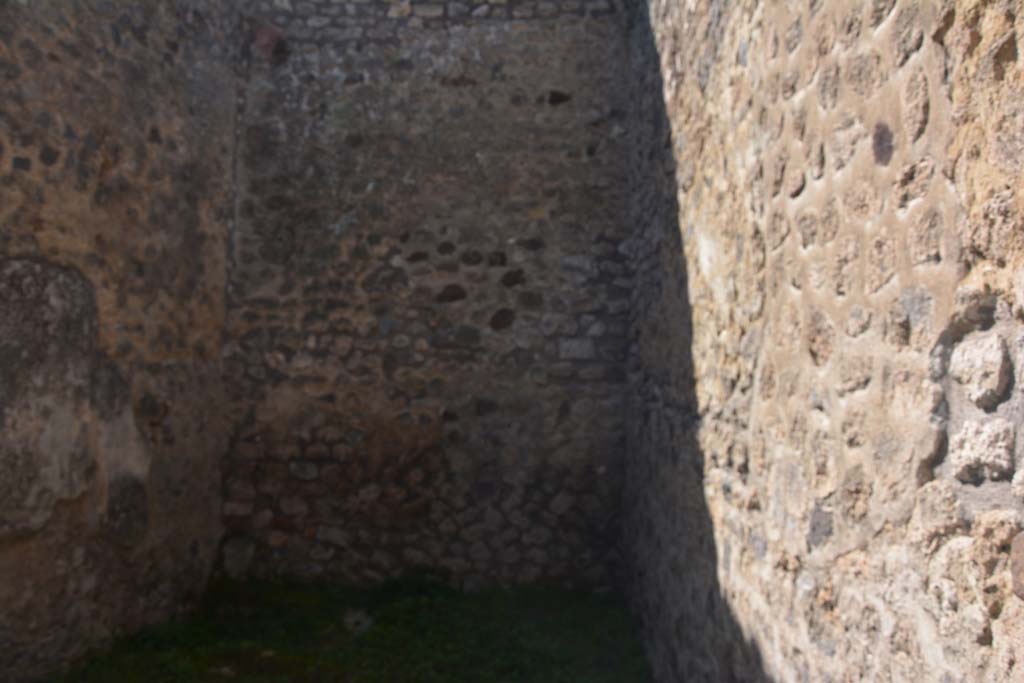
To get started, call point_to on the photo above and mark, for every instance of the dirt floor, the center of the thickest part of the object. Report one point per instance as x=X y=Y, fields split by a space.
x=409 y=632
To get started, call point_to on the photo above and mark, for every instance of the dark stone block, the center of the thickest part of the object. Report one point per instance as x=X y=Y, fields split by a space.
x=451 y=294
x=557 y=97
x=503 y=319
x=48 y=155
x=513 y=278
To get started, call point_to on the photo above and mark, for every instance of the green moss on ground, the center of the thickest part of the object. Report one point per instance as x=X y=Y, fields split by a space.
x=409 y=632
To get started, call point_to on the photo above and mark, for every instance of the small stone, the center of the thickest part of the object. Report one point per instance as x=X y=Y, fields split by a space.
x=914 y=182
x=854 y=374
x=926 y=238
x=1017 y=565
x=858 y=321
x=429 y=11
x=796 y=181
x=881 y=263
x=294 y=507
x=237 y=508
x=577 y=349
x=828 y=86
x=845 y=138
x=880 y=9
x=503 y=319
x=778 y=229
x=794 y=34
x=451 y=294
x=821 y=527
x=982 y=365
x=400 y=10
x=908 y=34
x=48 y=155
x=983 y=450
x=333 y=535
x=305 y=471
x=865 y=74
x=821 y=337
x=513 y=278
x=916 y=105
x=547 y=9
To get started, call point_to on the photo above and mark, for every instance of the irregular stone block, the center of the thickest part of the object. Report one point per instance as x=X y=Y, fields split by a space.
x=983 y=450
x=577 y=349
x=916 y=105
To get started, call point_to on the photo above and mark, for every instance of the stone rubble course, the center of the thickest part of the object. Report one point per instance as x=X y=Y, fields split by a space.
x=427 y=300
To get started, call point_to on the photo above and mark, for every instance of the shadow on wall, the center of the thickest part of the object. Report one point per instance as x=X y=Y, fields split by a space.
x=689 y=629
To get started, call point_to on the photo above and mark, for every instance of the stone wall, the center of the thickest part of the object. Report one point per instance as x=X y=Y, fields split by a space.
x=824 y=474
x=441 y=278
x=427 y=293
x=114 y=174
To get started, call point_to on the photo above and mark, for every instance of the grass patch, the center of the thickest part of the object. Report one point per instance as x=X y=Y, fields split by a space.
x=409 y=632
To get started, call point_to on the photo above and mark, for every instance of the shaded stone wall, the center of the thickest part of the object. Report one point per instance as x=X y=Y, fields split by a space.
x=824 y=474
x=115 y=145
x=427 y=293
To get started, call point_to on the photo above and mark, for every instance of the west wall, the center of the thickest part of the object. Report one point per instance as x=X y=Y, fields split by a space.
x=115 y=148
x=427 y=307
x=824 y=470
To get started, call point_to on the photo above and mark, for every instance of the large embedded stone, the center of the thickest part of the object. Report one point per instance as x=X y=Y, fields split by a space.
x=983 y=450
x=981 y=364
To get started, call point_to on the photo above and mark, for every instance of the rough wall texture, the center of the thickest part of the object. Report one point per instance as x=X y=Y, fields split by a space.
x=114 y=174
x=427 y=297
x=824 y=473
